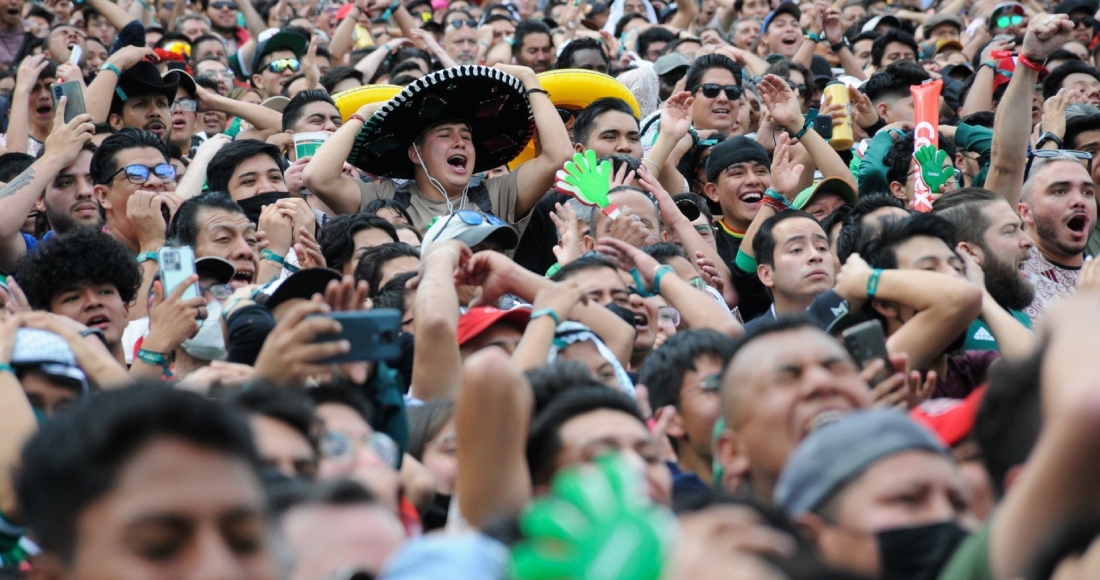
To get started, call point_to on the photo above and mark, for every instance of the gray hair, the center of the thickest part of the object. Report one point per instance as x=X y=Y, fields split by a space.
x=184 y=18
x=1037 y=165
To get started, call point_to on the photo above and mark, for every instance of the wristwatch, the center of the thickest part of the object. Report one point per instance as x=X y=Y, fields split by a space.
x=1048 y=136
x=844 y=43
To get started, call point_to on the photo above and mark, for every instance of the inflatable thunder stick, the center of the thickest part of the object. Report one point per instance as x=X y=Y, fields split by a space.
x=929 y=176
x=587 y=181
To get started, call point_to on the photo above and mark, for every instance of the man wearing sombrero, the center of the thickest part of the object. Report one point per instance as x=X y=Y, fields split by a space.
x=438 y=133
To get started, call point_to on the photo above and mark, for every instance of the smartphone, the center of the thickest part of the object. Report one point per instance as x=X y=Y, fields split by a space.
x=867 y=343
x=176 y=265
x=373 y=334
x=823 y=125
x=75 y=105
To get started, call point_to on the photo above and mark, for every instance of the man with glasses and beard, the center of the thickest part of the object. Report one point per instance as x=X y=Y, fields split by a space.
x=993 y=235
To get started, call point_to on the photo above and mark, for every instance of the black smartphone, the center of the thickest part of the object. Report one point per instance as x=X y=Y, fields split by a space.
x=75 y=105
x=373 y=334
x=823 y=125
x=867 y=343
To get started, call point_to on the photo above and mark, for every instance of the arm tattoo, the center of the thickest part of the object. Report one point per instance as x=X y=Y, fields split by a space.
x=22 y=180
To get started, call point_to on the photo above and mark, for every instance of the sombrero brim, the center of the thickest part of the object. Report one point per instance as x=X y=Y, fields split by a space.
x=493 y=103
x=351 y=100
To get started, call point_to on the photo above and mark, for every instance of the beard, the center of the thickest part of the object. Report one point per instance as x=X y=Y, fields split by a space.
x=62 y=221
x=1048 y=229
x=1002 y=279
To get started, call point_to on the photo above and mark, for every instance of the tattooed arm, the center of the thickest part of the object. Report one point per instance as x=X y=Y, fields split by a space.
x=437 y=364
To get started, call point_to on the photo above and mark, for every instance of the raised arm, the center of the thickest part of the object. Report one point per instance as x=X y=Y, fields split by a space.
x=19 y=423
x=668 y=148
x=533 y=349
x=252 y=19
x=783 y=104
x=102 y=90
x=18 y=136
x=343 y=38
x=264 y=121
x=834 y=33
x=324 y=177
x=437 y=364
x=1045 y=34
x=537 y=175
x=115 y=14
x=685 y=14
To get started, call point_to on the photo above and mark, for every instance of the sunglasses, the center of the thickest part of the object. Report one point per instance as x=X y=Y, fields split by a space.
x=710 y=91
x=224 y=5
x=801 y=89
x=1087 y=21
x=216 y=74
x=185 y=105
x=280 y=65
x=1052 y=153
x=468 y=217
x=1006 y=21
x=460 y=22
x=342 y=447
x=139 y=174
x=565 y=114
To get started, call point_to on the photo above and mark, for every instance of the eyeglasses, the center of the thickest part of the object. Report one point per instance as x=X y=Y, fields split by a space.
x=468 y=217
x=342 y=447
x=711 y=384
x=216 y=74
x=565 y=114
x=801 y=89
x=218 y=291
x=460 y=22
x=705 y=230
x=139 y=174
x=1053 y=153
x=668 y=314
x=224 y=5
x=710 y=91
x=281 y=64
x=1006 y=21
x=185 y=105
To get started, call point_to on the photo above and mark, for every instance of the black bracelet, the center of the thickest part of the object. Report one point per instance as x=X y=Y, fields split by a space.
x=875 y=128
x=94 y=332
x=543 y=91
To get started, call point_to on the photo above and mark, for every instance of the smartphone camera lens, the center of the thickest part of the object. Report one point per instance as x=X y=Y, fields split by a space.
x=387 y=337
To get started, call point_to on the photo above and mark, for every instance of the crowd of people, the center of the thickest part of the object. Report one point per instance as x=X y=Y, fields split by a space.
x=558 y=289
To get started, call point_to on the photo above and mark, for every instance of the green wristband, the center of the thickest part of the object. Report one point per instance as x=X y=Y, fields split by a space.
x=266 y=254
x=146 y=256
x=547 y=312
x=112 y=68
x=157 y=359
x=872 y=282
x=811 y=116
x=7 y=368
x=660 y=273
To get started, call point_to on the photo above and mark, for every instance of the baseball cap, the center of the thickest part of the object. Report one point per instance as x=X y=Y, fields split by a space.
x=670 y=62
x=277 y=103
x=471 y=228
x=828 y=185
x=478 y=319
x=1005 y=8
x=301 y=284
x=945 y=44
x=821 y=70
x=836 y=453
x=784 y=8
x=219 y=269
x=281 y=40
x=888 y=19
x=950 y=419
x=48 y=353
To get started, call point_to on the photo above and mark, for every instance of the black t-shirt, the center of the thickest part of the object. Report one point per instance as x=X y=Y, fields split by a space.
x=754 y=296
x=536 y=248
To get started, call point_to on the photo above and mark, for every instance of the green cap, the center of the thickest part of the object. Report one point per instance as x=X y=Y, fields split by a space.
x=828 y=185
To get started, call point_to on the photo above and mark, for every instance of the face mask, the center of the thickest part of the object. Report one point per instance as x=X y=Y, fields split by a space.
x=918 y=552
x=625 y=313
x=253 y=205
x=209 y=343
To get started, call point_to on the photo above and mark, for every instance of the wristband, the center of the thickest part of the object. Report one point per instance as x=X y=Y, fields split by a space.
x=810 y=117
x=157 y=359
x=777 y=206
x=872 y=282
x=146 y=256
x=543 y=91
x=771 y=194
x=657 y=168
x=7 y=368
x=547 y=312
x=358 y=117
x=812 y=37
x=389 y=11
x=1037 y=67
x=270 y=256
x=640 y=285
x=112 y=68
x=660 y=273
x=94 y=332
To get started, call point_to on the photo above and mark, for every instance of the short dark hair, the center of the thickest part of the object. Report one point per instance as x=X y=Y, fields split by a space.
x=706 y=62
x=373 y=260
x=292 y=408
x=655 y=34
x=354 y=400
x=664 y=369
x=285 y=91
x=76 y=458
x=377 y=205
x=839 y=215
x=784 y=323
x=82 y=256
x=1088 y=120
x=625 y=19
x=221 y=168
x=333 y=492
x=585 y=123
x=964 y=210
x=979 y=119
x=296 y=108
x=337 y=75
x=880 y=250
x=665 y=251
x=588 y=261
x=14 y=163
x=1010 y=416
x=894 y=82
x=851 y=235
x=337 y=236
x=764 y=244
x=893 y=35
x=204 y=38
x=898 y=159
x=526 y=28
x=184 y=229
x=567 y=394
x=1053 y=82
x=565 y=59
x=105 y=160
x=392 y=294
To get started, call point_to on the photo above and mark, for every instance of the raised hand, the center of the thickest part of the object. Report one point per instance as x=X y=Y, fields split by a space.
x=1045 y=34
x=784 y=176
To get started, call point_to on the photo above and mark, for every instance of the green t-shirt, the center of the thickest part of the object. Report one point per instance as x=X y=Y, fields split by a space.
x=12 y=552
x=971 y=559
x=979 y=337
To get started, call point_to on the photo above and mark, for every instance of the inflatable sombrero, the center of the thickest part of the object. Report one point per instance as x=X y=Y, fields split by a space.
x=351 y=100
x=493 y=103
x=575 y=89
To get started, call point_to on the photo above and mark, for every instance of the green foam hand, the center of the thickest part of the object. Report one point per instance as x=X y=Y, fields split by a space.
x=596 y=524
x=587 y=180
x=931 y=166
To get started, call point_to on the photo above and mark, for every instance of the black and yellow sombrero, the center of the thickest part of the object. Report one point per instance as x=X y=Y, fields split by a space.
x=493 y=103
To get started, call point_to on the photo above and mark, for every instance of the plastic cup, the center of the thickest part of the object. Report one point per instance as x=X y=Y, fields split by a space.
x=307 y=144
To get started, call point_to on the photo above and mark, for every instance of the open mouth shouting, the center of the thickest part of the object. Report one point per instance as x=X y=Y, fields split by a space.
x=243 y=277
x=1078 y=225
x=43 y=111
x=457 y=164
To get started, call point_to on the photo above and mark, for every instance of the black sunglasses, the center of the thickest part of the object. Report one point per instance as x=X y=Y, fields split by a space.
x=460 y=22
x=800 y=88
x=222 y=5
x=1052 y=153
x=566 y=114
x=710 y=91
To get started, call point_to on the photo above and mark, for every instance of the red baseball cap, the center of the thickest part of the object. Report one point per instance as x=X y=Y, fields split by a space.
x=950 y=419
x=479 y=319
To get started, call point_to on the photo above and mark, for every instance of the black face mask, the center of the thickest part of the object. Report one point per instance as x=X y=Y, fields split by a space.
x=918 y=552
x=253 y=205
x=624 y=313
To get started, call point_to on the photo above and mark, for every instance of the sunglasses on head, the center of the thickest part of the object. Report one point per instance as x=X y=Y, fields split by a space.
x=710 y=91
x=468 y=217
x=139 y=174
x=223 y=5
x=280 y=65
x=1052 y=153
x=1006 y=21
x=460 y=22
